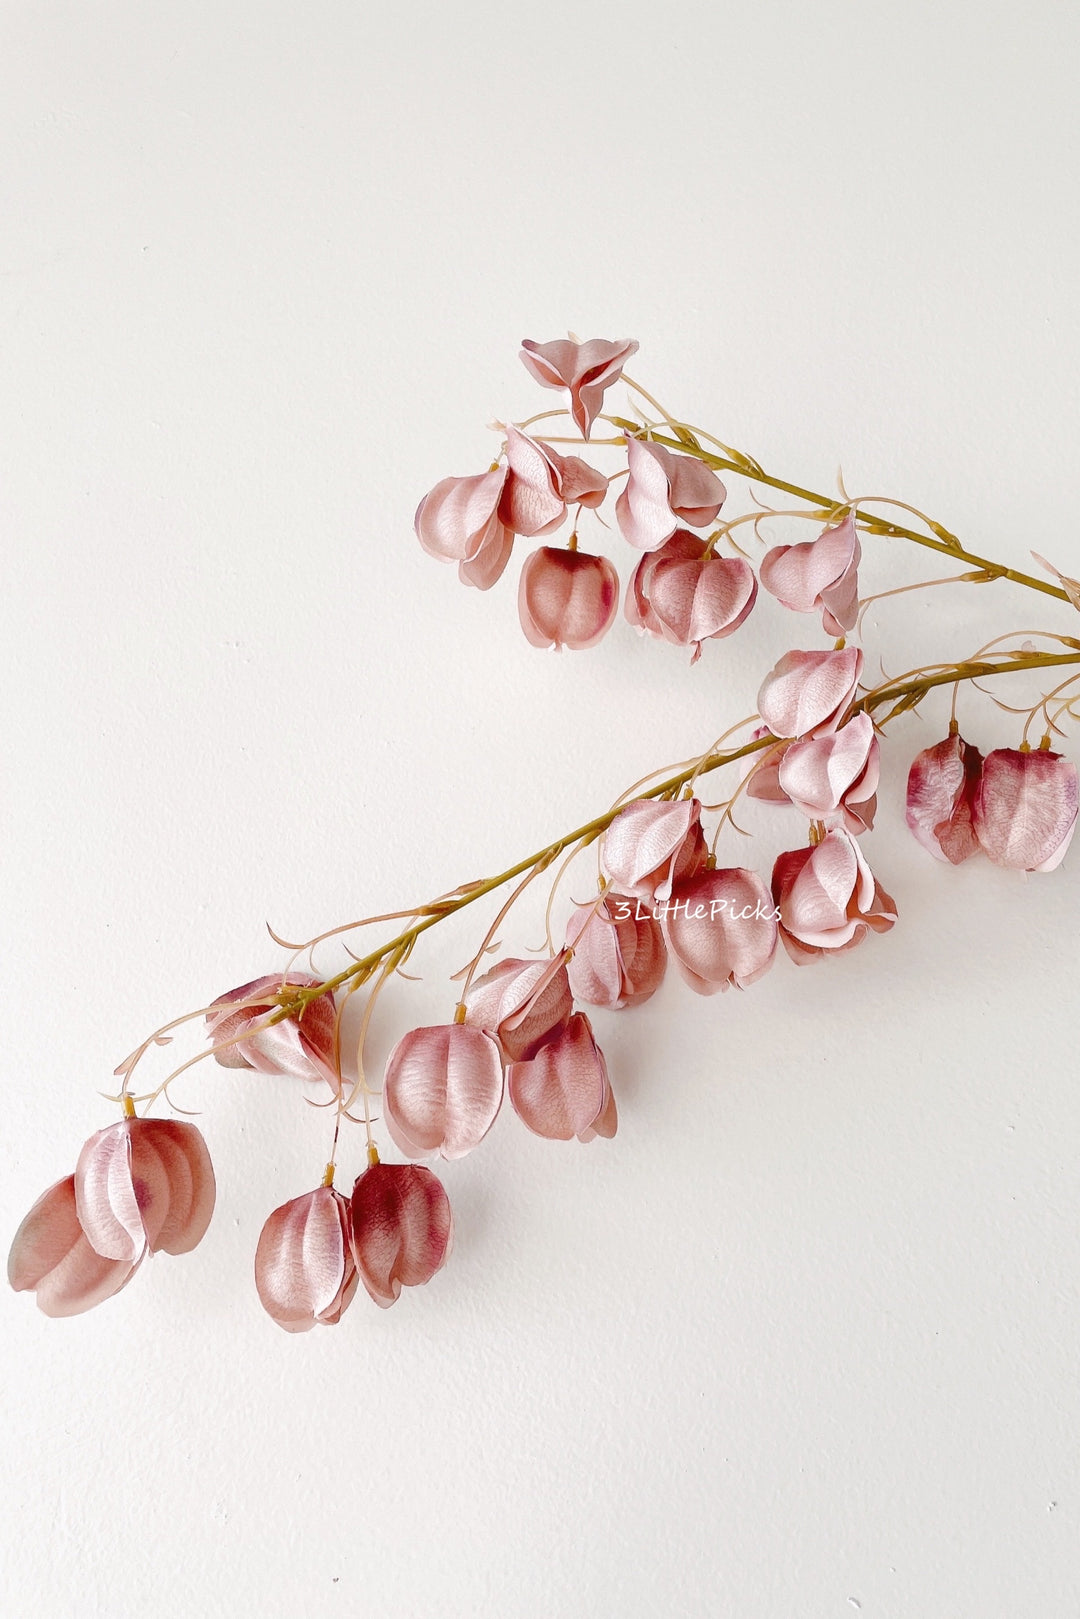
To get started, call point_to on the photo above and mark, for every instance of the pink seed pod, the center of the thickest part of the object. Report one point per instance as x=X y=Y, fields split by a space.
x=564 y=1091
x=144 y=1184
x=827 y=898
x=721 y=929
x=650 y=845
x=586 y=369
x=686 y=597
x=808 y=693
x=940 y=787
x=296 y=1047
x=662 y=491
x=567 y=598
x=519 y=1004
x=820 y=575
x=442 y=1088
x=458 y=521
x=305 y=1273
x=52 y=1256
x=401 y=1228
x=541 y=483
x=619 y=956
x=1023 y=808
x=834 y=778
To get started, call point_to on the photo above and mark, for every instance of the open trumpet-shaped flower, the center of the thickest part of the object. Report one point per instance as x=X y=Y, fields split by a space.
x=650 y=845
x=834 y=778
x=663 y=491
x=820 y=575
x=827 y=898
x=299 y=1047
x=807 y=693
x=686 y=597
x=144 y=1184
x=721 y=928
x=940 y=787
x=619 y=957
x=542 y=483
x=519 y=1004
x=564 y=1090
x=587 y=370
x=441 y=1090
x=567 y=598
x=52 y=1255
x=458 y=521
x=401 y=1228
x=305 y=1273
x=1024 y=806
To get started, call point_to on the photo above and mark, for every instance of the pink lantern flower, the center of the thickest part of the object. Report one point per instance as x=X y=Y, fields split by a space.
x=651 y=845
x=827 y=898
x=834 y=778
x=519 y=1004
x=1023 y=808
x=458 y=521
x=662 y=491
x=940 y=787
x=619 y=957
x=808 y=693
x=51 y=1255
x=567 y=598
x=542 y=483
x=687 y=597
x=819 y=576
x=144 y=1184
x=297 y=1047
x=305 y=1273
x=402 y=1228
x=721 y=929
x=586 y=369
x=441 y=1090
x=564 y=1090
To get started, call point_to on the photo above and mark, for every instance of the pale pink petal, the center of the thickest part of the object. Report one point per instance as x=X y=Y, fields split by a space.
x=650 y=845
x=567 y=598
x=586 y=369
x=442 y=1089
x=606 y=1122
x=619 y=956
x=940 y=785
x=695 y=601
x=828 y=898
x=721 y=928
x=562 y=1091
x=820 y=574
x=819 y=774
x=402 y=1228
x=662 y=491
x=531 y=503
x=763 y=771
x=304 y=1270
x=576 y=481
x=488 y=563
x=105 y=1196
x=453 y=519
x=1024 y=808
x=807 y=693
x=51 y=1255
x=519 y=1003
x=174 y=1183
x=695 y=493
x=681 y=547
x=295 y=1047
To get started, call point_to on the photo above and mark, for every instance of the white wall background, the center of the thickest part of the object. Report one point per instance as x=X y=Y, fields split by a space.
x=803 y=1340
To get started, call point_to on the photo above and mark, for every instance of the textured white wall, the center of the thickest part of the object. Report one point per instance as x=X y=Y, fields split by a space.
x=803 y=1340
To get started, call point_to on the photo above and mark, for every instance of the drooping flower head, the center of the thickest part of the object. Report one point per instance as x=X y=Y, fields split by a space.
x=304 y=1269
x=833 y=778
x=401 y=1228
x=618 y=956
x=940 y=787
x=586 y=369
x=1024 y=807
x=567 y=598
x=300 y=1047
x=663 y=492
x=144 y=1184
x=651 y=845
x=51 y=1254
x=442 y=1089
x=458 y=521
x=686 y=597
x=818 y=576
x=563 y=1090
x=828 y=898
x=807 y=693
x=519 y=1004
x=541 y=484
x=721 y=928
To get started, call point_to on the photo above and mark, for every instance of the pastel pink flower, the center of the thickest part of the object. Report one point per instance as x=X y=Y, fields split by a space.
x=458 y=521
x=401 y=1228
x=520 y=1003
x=663 y=491
x=52 y=1255
x=305 y=1273
x=441 y=1090
x=297 y=1047
x=834 y=778
x=721 y=928
x=619 y=956
x=144 y=1184
x=1023 y=808
x=686 y=597
x=940 y=787
x=808 y=693
x=567 y=598
x=542 y=483
x=651 y=845
x=827 y=898
x=818 y=576
x=761 y=771
x=586 y=369
x=564 y=1090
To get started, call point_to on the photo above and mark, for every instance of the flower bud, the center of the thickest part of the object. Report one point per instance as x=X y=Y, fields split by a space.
x=687 y=597
x=299 y=1047
x=940 y=786
x=564 y=1090
x=833 y=778
x=619 y=955
x=721 y=928
x=1023 y=808
x=567 y=598
x=144 y=1184
x=458 y=521
x=51 y=1255
x=442 y=1089
x=819 y=575
x=807 y=693
x=304 y=1269
x=541 y=483
x=520 y=1003
x=650 y=845
x=662 y=491
x=827 y=898
x=401 y=1228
